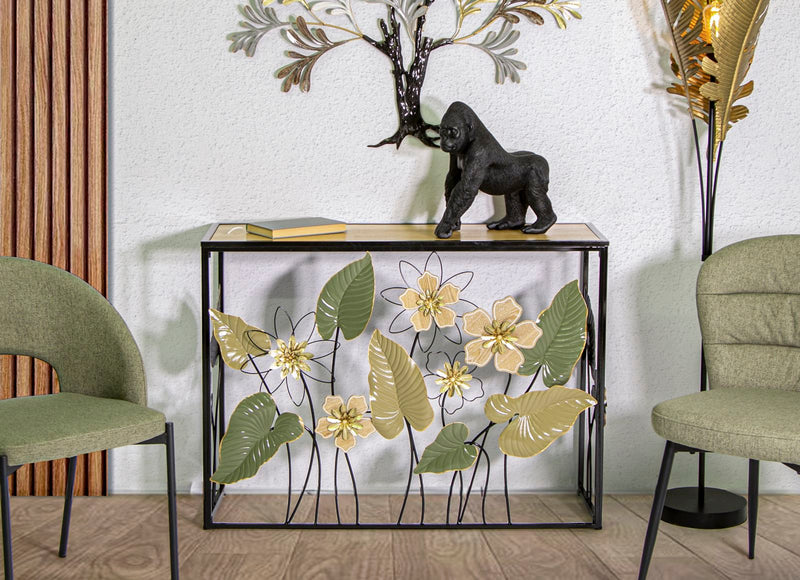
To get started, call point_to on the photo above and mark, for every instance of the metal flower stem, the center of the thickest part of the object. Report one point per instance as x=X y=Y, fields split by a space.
x=336 y=485
x=314 y=453
x=413 y=462
x=505 y=487
x=353 y=479
x=262 y=376
x=315 y=448
x=333 y=362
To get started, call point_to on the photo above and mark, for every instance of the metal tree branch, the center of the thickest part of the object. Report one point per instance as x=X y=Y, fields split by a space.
x=408 y=82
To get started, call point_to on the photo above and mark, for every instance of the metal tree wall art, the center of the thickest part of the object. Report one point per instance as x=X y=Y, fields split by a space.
x=713 y=44
x=488 y=25
x=405 y=391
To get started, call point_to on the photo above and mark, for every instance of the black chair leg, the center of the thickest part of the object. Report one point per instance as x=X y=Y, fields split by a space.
x=658 y=508
x=173 y=504
x=69 y=491
x=8 y=566
x=752 y=508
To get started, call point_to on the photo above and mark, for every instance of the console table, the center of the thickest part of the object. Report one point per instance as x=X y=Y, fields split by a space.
x=583 y=240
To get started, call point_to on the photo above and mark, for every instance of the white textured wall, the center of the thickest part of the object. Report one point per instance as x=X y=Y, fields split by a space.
x=199 y=135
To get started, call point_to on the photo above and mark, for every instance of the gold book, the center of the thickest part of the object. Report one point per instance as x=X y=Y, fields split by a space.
x=289 y=228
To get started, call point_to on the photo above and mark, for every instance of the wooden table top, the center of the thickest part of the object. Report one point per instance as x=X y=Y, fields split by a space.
x=471 y=235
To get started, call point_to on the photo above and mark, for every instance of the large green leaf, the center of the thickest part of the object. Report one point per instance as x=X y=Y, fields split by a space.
x=251 y=440
x=537 y=418
x=238 y=341
x=396 y=389
x=347 y=299
x=560 y=347
x=448 y=452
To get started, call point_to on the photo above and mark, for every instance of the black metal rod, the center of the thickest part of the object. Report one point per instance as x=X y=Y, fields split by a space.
x=752 y=508
x=333 y=362
x=583 y=378
x=221 y=380
x=315 y=448
x=289 y=490
x=474 y=473
x=414 y=526
x=657 y=509
x=421 y=484
x=336 y=485
x=69 y=491
x=485 y=485
x=5 y=508
x=205 y=337
x=450 y=496
x=353 y=479
x=505 y=487
x=602 y=292
x=305 y=482
x=172 y=501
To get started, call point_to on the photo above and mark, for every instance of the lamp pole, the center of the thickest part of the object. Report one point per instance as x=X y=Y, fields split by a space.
x=701 y=506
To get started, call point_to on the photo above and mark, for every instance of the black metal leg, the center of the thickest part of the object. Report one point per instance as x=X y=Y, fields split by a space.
x=173 y=505
x=752 y=508
x=69 y=491
x=658 y=507
x=8 y=566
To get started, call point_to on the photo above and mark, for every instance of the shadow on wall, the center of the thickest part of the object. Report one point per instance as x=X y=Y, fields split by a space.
x=669 y=345
x=174 y=333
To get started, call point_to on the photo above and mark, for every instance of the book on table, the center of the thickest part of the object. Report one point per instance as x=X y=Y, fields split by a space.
x=289 y=228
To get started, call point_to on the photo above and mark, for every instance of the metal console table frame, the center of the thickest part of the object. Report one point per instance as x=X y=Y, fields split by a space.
x=584 y=239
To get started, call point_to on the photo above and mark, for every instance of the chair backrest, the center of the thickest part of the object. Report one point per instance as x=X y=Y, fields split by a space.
x=748 y=301
x=51 y=315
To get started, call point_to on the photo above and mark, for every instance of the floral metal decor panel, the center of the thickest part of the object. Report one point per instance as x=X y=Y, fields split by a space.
x=407 y=389
x=307 y=28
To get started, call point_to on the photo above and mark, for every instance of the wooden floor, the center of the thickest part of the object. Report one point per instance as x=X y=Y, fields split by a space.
x=126 y=537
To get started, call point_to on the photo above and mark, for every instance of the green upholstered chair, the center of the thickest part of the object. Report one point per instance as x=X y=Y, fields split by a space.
x=51 y=315
x=748 y=302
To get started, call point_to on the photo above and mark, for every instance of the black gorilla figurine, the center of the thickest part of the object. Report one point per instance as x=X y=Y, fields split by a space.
x=478 y=162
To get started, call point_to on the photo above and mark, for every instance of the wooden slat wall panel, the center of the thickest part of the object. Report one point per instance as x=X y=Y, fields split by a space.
x=53 y=170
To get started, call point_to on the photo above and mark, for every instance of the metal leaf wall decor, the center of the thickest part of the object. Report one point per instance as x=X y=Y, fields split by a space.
x=324 y=25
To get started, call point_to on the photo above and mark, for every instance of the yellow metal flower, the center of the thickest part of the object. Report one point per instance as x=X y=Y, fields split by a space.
x=291 y=357
x=500 y=336
x=345 y=421
x=454 y=379
x=430 y=303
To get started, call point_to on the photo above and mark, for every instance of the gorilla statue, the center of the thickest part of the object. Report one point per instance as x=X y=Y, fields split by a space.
x=478 y=162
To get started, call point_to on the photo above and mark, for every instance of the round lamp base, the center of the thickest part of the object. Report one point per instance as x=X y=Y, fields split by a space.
x=719 y=509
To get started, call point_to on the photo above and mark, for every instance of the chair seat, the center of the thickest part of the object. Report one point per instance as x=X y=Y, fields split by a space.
x=48 y=427
x=753 y=423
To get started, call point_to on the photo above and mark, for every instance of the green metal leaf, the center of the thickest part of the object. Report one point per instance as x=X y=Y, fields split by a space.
x=448 y=452
x=251 y=440
x=238 y=341
x=537 y=418
x=564 y=336
x=396 y=389
x=347 y=300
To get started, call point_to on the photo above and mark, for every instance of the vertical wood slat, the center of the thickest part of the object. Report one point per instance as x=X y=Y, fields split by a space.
x=42 y=191
x=96 y=185
x=53 y=175
x=60 y=172
x=77 y=168
x=8 y=145
x=25 y=223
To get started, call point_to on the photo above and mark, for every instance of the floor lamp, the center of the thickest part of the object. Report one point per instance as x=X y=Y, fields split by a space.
x=711 y=74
